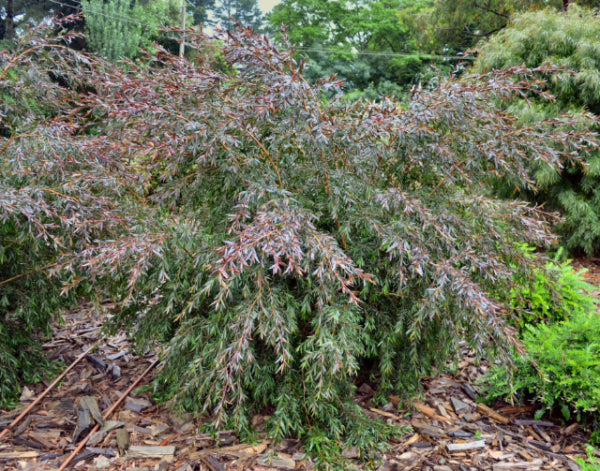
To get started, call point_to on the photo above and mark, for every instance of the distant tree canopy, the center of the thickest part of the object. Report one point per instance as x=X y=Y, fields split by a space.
x=372 y=45
x=228 y=13
x=569 y=40
x=460 y=24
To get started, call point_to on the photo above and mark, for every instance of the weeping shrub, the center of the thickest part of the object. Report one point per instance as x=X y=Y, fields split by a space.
x=278 y=242
x=296 y=240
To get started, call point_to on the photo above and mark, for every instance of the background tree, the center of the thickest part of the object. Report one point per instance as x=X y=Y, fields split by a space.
x=568 y=40
x=245 y=12
x=459 y=25
x=200 y=10
x=372 y=45
x=117 y=29
x=22 y=14
x=112 y=28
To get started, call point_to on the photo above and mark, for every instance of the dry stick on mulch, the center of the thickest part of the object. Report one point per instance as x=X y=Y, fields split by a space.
x=106 y=415
x=45 y=393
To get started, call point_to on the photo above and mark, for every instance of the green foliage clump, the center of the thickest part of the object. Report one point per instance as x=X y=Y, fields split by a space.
x=556 y=292
x=559 y=323
x=592 y=463
x=111 y=31
x=567 y=40
x=560 y=369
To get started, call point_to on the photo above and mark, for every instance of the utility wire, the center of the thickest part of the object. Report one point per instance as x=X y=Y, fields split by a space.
x=382 y=53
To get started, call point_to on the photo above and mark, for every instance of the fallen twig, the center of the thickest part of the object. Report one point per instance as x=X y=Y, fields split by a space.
x=45 y=393
x=106 y=416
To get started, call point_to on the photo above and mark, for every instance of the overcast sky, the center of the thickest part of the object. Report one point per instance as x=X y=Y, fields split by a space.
x=266 y=5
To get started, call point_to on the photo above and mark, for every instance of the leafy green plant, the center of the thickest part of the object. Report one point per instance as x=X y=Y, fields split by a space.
x=592 y=463
x=560 y=369
x=556 y=292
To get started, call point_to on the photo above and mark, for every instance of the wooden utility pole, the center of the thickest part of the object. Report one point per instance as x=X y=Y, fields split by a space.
x=9 y=31
x=182 y=45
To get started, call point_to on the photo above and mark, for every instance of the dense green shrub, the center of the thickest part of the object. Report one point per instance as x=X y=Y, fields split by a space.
x=559 y=322
x=560 y=370
x=569 y=40
x=557 y=292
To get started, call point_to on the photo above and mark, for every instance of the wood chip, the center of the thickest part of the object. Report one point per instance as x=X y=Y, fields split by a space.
x=137 y=451
x=431 y=413
x=384 y=413
x=460 y=407
x=85 y=423
x=539 y=423
x=493 y=414
x=570 y=429
x=122 y=440
x=18 y=455
x=469 y=391
x=97 y=363
x=458 y=447
x=535 y=464
x=137 y=405
x=277 y=462
x=91 y=403
x=239 y=451
x=429 y=430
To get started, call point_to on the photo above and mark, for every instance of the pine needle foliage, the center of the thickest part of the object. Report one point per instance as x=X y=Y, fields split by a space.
x=569 y=40
x=111 y=27
x=279 y=242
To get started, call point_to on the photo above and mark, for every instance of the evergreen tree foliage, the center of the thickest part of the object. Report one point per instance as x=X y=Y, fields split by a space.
x=118 y=29
x=200 y=10
x=569 y=40
x=229 y=13
x=112 y=29
x=459 y=25
x=278 y=241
